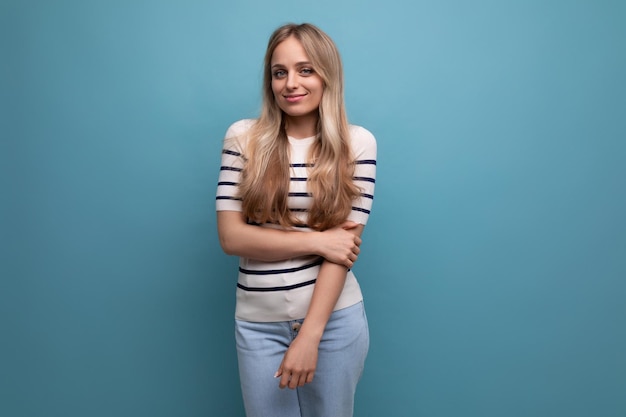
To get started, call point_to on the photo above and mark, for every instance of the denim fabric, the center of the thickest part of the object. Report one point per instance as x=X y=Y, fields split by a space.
x=342 y=352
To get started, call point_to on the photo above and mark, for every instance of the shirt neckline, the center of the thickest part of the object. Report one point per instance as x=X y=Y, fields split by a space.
x=302 y=142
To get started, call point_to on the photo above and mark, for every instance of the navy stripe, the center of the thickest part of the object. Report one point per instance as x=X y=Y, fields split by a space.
x=229 y=152
x=230 y=169
x=225 y=197
x=227 y=183
x=295 y=225
x=367 y=196
x=368 y=179
x=297 y=179
x=300 y=195
x=298 y=210
x=301 y=165
x=361 y=210
x=280 y=271
x=271 y=289
x=366 y=162
x=274 y=223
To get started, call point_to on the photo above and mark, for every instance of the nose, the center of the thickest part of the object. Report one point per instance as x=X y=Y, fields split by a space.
x=292 y=81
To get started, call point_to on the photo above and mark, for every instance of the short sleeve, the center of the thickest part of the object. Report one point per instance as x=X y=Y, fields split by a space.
x=227 y=198
x=364 y=148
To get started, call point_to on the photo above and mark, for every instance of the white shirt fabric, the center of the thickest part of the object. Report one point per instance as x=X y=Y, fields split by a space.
x=281 y=291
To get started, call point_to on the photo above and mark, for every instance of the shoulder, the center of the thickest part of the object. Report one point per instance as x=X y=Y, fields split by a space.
x=236 y=137
x=362 y=139
x=239 y=128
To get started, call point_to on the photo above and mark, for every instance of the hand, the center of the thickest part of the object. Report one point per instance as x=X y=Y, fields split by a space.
x=299 y=363
x=341 y=246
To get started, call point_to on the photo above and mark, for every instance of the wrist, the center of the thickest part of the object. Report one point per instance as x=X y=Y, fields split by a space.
x=315 y=242
x=311 y=332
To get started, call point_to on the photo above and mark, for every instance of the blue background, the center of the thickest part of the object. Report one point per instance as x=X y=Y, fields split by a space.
x=494 y=264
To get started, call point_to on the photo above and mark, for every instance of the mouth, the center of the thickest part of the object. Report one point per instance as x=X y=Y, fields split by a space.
x=294 y=98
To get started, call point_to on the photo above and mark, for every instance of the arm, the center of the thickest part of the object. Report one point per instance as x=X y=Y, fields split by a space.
x=300 y=361
x=250 y=241
x=339 y=245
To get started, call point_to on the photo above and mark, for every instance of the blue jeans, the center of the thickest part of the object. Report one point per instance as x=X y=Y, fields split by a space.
x=342 y=352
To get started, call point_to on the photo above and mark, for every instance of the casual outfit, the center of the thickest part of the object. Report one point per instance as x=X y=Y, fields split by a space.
x=273 y=297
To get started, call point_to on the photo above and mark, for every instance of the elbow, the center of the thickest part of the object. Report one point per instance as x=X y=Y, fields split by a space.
x=229 y=231
x=226 y=245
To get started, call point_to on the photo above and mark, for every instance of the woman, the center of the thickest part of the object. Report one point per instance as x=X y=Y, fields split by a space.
x=295 y=191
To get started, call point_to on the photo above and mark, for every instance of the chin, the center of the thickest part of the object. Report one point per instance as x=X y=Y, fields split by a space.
x=296 y=113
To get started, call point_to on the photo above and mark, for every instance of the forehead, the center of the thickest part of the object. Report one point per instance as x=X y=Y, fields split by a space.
x=289 y=51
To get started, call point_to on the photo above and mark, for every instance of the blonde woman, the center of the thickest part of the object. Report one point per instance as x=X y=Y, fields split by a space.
x=295 y=190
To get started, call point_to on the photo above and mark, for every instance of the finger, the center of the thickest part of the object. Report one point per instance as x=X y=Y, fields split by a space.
x=284 y=380
x=309 y=377
x=296 y=381
x=279 y=371
x=358 y=240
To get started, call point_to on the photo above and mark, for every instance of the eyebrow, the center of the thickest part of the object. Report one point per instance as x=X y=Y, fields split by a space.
x=298 y=64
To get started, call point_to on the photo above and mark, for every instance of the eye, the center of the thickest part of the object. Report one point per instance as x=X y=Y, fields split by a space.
x=306 y=71
x=279 y=73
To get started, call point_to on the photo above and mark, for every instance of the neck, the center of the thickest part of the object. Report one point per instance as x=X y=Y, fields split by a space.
x=301 y=127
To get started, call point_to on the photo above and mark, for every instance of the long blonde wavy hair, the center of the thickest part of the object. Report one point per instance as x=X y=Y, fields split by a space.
x=264 y=184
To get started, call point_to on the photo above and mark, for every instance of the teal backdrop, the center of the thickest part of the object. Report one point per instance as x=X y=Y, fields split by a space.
x=494 y=264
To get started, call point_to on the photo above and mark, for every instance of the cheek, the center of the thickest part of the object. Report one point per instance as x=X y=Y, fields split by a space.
x=275 y=88
x=319 y=86
x=320 y=89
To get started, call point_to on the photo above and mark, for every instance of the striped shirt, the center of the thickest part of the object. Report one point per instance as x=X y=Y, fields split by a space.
x=281 y=291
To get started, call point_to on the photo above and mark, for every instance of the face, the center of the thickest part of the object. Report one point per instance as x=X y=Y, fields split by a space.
x=297 y=87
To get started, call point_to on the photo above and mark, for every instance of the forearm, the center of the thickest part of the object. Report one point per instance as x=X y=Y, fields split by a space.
x=262 y=243
x=328 y=288
x=339 y=244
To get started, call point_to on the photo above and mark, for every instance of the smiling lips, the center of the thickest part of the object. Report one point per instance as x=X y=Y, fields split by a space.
x=294 y=98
